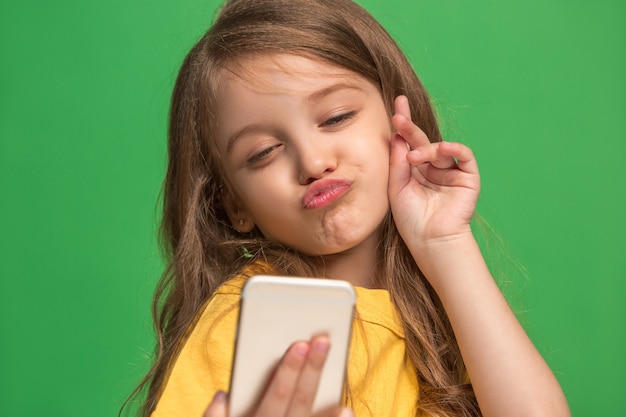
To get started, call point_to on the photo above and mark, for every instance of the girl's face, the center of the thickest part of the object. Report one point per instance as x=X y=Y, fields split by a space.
x=305 y=147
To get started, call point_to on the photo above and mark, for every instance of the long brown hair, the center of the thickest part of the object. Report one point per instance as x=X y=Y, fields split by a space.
x=202 y=247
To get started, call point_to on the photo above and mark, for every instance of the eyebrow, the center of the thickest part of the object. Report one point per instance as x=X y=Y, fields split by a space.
x=247 y=129
x=313 y=97
x=333 y=88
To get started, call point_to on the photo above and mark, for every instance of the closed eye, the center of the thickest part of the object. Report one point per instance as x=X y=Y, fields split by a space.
x=336 y=120
x=262 y=155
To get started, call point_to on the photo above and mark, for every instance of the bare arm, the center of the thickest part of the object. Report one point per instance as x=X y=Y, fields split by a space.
x=508 y=374
x=433 y=189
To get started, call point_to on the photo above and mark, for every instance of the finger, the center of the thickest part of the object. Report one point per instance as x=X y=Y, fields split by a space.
x=217 y=408
x=276 y=398
x=446 y=164
x=464 y=156
x=399 y=168
x=336 y=412
x=413 y=135
x=306 y=389
x=445 y=155
x=346 y=412
x=431 y=154
x=401 y=106
x=405 y=127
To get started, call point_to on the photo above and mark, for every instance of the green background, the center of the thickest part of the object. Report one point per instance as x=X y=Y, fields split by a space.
x=537 y=88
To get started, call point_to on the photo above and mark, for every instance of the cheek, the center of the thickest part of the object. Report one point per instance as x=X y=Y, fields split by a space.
x=380 y=159
x=376 y=150
x=264 y=194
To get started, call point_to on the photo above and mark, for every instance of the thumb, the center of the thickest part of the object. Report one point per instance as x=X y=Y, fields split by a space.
x=217 y=408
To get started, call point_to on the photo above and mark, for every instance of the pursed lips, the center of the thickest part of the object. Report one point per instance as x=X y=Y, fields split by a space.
x=324 y=192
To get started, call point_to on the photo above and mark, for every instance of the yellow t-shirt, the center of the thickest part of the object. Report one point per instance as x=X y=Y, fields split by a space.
x=381 y=378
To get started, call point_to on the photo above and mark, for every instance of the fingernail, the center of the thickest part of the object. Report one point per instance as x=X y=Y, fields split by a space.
x=321 y=345
x=301 y=349
x=220 y=397
x=346 y=412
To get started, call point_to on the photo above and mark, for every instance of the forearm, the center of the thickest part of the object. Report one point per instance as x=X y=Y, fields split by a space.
x=508 y=374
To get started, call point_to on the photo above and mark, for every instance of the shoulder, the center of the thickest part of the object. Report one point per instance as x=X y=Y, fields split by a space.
x=202 y=366
x=227 y=296
x=217 y=318
x=215 y=324
x=220 y=311
x=376 y=310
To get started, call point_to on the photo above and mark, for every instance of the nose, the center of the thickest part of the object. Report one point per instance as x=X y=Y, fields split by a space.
x=315 y=160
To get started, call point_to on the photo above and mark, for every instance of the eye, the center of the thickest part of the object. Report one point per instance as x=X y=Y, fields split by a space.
x=262 y=155
x=336 y=120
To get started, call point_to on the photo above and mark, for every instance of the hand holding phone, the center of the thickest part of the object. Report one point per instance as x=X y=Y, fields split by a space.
x=310 y=320
x=282 y=390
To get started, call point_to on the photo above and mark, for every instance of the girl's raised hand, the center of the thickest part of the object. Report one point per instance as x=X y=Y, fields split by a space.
x=433 y=187
x=292 y=389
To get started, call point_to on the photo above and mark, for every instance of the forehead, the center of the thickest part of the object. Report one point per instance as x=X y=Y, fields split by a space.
x=285 y=74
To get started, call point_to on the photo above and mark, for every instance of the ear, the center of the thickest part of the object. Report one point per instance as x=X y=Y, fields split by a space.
x=237 y=213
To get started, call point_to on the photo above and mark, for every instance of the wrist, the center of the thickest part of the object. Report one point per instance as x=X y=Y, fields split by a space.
x=427 y=250
x=450 y=261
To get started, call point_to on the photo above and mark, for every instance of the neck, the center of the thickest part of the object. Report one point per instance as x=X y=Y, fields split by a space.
x=359 y=265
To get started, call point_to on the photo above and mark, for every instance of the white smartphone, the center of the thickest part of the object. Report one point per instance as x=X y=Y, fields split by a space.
x=278 y=311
